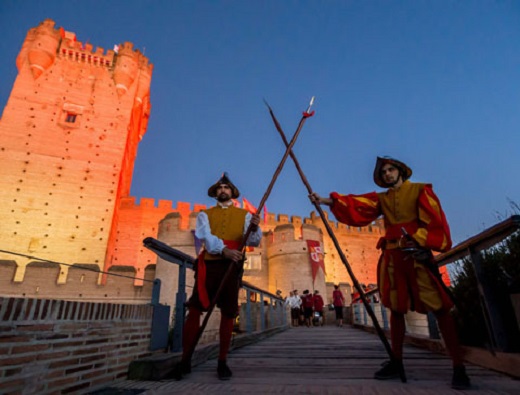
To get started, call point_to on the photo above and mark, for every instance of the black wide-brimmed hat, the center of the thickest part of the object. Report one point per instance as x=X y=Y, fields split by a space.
x=224 y=179
x=405 y=171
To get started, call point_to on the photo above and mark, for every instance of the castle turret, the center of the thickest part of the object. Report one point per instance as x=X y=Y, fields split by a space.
x=22 y=55
x=142 y=96
x=289 y=263
x=126 y=68
x=42 y=47
x=145 y=77
x=172 y=234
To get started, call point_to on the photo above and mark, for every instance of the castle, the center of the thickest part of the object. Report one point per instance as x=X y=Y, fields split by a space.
x=69 y=137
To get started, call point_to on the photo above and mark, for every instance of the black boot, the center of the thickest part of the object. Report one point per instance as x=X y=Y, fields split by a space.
x=460 y=380
x=390 y=370
x=223 y=371
x=181 y=369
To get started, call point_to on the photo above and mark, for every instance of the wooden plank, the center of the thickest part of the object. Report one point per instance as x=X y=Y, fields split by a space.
x=325 y=360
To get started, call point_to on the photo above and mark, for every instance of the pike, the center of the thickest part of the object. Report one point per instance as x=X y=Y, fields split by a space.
x=358 y=287
x=306 y=114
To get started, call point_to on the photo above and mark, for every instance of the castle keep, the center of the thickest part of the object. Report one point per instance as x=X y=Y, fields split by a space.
x=69 y=138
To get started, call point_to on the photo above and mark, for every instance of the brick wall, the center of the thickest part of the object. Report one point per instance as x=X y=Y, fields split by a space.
x=56 y=346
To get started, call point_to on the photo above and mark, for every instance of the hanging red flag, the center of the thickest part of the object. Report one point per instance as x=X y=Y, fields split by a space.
x=236 y=203
x=248 y=206
x=265 y=214
x=316 y=257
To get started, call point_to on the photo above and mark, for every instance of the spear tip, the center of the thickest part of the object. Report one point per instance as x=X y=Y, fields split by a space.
x=310 y=105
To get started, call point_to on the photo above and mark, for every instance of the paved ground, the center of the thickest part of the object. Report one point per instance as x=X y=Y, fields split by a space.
x=321 y=360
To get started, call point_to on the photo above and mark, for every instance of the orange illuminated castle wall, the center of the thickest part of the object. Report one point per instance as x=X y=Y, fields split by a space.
x=69 y=138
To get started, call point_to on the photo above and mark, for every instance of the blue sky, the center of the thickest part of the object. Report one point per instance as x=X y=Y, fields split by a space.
x=433 y=83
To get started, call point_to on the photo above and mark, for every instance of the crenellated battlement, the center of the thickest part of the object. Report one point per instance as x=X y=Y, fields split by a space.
x=77 y=51
x=80 y=283
x=274 y=223
x=144 y=63
x=130 y=202
x=44 y=43
x=275 y=220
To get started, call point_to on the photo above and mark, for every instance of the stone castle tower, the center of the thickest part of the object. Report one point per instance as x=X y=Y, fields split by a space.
x=69 y=138
x=288 y=257
x=70 y=132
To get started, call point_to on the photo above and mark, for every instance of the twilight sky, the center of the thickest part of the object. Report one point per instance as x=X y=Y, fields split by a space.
x=433 y=83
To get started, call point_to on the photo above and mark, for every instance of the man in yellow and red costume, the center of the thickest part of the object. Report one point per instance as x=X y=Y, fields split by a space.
x=221 y=228
x=408 y=278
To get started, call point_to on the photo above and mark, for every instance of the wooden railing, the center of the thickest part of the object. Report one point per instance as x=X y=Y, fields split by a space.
x=470 y=249
x=260 y=310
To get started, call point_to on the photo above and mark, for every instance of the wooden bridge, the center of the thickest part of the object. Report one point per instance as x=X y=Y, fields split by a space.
x=333 y=360
x=323 y=360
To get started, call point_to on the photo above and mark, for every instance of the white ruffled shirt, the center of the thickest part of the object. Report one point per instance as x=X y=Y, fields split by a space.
x=212 y=243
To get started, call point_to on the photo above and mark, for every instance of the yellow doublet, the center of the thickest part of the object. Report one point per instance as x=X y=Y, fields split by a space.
x=227 y=224
x=400 y=205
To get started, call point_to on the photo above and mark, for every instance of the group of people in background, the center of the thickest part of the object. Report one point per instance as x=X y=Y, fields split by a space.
x=309 y=307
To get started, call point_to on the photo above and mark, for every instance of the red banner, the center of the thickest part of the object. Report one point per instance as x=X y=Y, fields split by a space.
x=316 y=257
x=248 y=206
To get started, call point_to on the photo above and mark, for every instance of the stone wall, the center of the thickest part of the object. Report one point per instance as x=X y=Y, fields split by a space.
x=41 y=282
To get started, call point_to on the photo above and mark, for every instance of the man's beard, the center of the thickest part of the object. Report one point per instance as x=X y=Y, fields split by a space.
x=392 y=183
x=223 y=198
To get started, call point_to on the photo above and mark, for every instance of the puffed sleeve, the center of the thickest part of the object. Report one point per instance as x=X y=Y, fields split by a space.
x=355 y=210
x=254 y=237
x=434 y=232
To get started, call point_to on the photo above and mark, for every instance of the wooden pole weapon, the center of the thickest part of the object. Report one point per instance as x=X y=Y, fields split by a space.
x=358 y=287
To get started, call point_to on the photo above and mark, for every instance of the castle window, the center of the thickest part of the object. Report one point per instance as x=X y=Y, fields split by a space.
x=70 y=118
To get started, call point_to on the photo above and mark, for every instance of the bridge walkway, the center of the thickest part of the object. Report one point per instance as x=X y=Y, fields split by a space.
x=322 y=360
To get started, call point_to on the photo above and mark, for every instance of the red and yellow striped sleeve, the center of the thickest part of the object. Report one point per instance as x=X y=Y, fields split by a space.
x=355 y=210
x=434 y=231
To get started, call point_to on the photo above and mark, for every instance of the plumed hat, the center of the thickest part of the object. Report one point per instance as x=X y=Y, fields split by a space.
x=405 y=171
x=224 y=179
